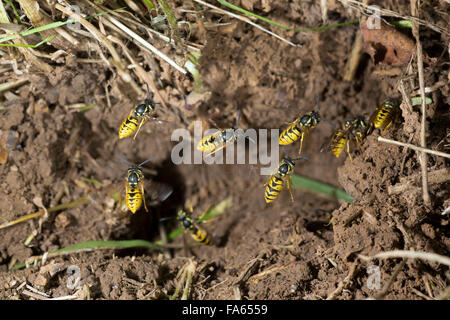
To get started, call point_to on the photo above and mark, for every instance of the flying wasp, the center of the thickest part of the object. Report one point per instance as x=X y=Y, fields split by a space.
x=134 y=187
x=276 y=182
x=137 y=117
x=197 y=233
x=354 y=130
x=219 y=140
x=385 y=115
x=299 y=128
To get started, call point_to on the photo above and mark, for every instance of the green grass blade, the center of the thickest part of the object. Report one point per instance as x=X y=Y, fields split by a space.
x=218 y=209
x=16 y=14
x=279 y=25
x=319 y=187
x=150 y=4
x=94 y=245
x=27 y=45
x=49 y=26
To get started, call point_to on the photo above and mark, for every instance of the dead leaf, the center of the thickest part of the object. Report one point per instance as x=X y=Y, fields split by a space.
x=386 y=45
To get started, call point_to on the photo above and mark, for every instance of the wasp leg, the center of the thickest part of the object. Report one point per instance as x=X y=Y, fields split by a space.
x=143 y=196
x=217 y=149
x=348 y=150
x=305 y=132
x=289 y=182
x=144 y=120
x=121 y=193
x=386 y=127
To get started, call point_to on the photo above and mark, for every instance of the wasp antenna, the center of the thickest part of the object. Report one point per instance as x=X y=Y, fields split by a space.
x=142 y=163
x=238 y=118
x=301 y=158
x=123 y=159
x=166 y=218
x=318 y=102
x=331 y=124
x=148 y=90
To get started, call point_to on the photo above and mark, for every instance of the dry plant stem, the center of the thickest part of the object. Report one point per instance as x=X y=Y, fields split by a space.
x=28 y=53
x=246 y=274
x=97 y=34
x=31 y=9
x=245 y=20
x=385 y=290
x=424 y=160
x=344 y=283
x=39 y=213
x=434 y=177
x=147 y=45
x=411 y=146
x=13 y=84
x=353 y=62
x=140 y=72
x=432 y=257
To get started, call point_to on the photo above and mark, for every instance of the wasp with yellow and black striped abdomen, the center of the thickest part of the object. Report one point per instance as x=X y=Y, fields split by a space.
x=354 y=130
x=299 y=128
x=197 y=233
x=283 y=175
x=219 y=140
x=385 y=115
x=137 y=117
x=134 y=188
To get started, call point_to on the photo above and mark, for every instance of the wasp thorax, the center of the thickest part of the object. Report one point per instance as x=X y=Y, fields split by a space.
x=133 y=176
x=284 y=168
x=141 y=110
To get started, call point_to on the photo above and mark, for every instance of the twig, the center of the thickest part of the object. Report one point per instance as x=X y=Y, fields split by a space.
x=246 y=274
x=13 y=84
x=245 y=20
x=433 y=257
x=411 y=146
x=435 y=177
x=39 y=213
x=344 y=283
x=420 y=294
x=424 y=160
x=385 y=290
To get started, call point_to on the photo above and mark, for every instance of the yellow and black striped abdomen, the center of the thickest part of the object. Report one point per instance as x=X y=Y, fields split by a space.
x=134 y=199
x=273 y=188
x=200 y=235
x=128 y=127
x=290 y=135
x=209 y=143
x=338 y=143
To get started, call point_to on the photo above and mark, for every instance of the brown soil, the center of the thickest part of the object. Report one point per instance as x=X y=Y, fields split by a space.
x=305 y=249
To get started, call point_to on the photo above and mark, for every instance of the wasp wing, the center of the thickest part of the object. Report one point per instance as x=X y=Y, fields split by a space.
x=159 y=192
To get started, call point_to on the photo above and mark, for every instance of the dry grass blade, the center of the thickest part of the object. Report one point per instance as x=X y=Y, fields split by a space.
x=245 y=20
x=424 y=158
x=147 y=45
x=27 y=52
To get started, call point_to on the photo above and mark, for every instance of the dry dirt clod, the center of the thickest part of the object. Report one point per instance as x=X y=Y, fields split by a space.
x=386 y=45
